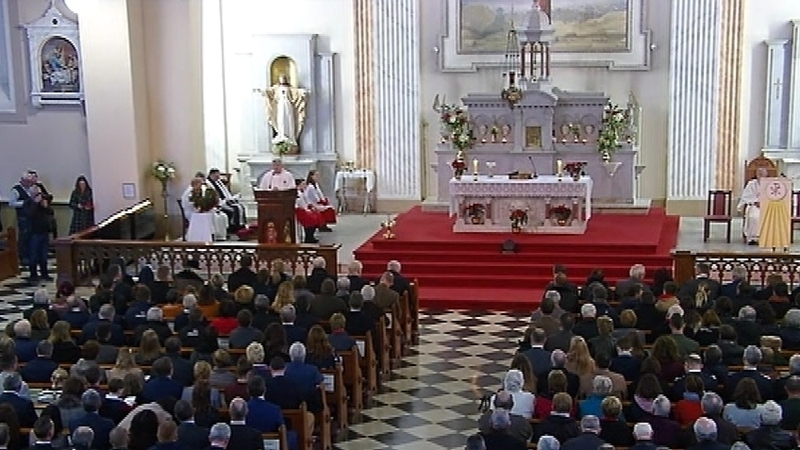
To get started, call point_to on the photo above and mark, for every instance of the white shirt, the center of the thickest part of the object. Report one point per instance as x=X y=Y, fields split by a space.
x=282 y=181
x=314 y=194
x=301 y=202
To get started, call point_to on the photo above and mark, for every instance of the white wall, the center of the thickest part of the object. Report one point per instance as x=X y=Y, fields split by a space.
x=332 y=20
x=761 y=23
x=649 y=87
x=51 y=139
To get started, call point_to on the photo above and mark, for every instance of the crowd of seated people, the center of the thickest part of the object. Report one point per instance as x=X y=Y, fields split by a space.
x=139 y=364
x=702 y=365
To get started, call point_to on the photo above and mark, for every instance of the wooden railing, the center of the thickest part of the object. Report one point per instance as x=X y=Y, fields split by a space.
x=759 y=266
x=9 y=255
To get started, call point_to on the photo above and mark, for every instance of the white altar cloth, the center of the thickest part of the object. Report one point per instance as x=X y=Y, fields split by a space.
x=362 y=174
x=533 y=195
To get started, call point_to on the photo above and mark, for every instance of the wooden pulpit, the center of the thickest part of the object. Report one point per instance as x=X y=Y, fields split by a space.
x=276 y=220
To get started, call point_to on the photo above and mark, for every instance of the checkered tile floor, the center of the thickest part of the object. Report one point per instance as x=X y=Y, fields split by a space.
x=430 y=402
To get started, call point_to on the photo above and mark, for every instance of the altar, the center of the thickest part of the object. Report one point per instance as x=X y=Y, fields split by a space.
x=548 y=204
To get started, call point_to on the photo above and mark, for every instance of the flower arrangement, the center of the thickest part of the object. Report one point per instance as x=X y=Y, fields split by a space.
x=204 y=198
x=562 y=213
x=456 y=122
x=519 y=218
x=163 y=171
x=575 y=169
x=615 y=120
x=459 y=165
x=476 y=212
x=512 y=95
x=283 y=147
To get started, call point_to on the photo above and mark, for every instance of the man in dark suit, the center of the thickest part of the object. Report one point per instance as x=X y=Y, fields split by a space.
x=242 y=437
x=190 y=435
x=562 y=339
x=91 y=418
x=182 y=369
x=26 y=413
x=105 y=315
x=590 y=429
x=751 y=360
x=705 y=431
x=499 y=436
x=220 y=437
x=770 y=435
x=189 y=274
x=262 y=316
x=625 y=363
x=318 y=275
x=400 y=284
x=546 y=317
x=537 y=355
x=587 y=326
x=648 y=317
x=294 y=333
x=307 y=376
x=690 y=288
x=354 y=275
x=643 y=434
x=748 y=331
x=358 y=321
x=636 y=276
x=262 y=415
x=24 y=346
x=155 y=322
x=114 y=407
x=39 y=369
x=161 y=385
x=567 y=290
x=325 y=304
x=245 y=333
x=281 y=390
x=558 y=359
x=520 y=427
x=76 y=316
x=137 y=311
x=244 y=276
x=712 y=405
x=731 y=290
x=558 y=422
x=693 y=365
x=43 y=430
x=728 y=345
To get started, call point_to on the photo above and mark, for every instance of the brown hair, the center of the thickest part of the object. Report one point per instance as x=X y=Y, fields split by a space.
x=317 y=343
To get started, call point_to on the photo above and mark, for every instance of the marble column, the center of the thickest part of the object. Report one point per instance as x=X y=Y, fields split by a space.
x=397 y=112
x=794 y=93
x=728 y=169
x=693 y=96
x=365 y=84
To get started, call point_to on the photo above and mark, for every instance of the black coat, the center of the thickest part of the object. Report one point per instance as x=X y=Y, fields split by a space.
x=192 y=436
x=560 y=427
x=244 y=438
x=242 y=277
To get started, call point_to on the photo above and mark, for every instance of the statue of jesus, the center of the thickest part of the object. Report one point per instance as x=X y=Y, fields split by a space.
x=286 y=110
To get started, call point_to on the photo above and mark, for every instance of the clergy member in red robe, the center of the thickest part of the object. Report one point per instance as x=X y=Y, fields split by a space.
x=310 y=219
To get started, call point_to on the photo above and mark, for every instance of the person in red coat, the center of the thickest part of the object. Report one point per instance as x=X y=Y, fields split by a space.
x=689 y=409
x=310 y=219
x=226 y=321
x=315 y=197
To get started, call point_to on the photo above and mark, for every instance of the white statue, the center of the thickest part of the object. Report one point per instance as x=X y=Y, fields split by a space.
x=286 y=110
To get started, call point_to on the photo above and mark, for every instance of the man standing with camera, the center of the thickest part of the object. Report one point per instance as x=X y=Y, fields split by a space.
x=40 y=217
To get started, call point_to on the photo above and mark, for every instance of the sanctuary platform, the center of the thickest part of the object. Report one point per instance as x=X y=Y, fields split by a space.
x=470 y=271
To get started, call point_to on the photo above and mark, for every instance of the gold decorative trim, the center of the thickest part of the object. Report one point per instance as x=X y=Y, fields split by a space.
x=365 y=95
x=728 y=169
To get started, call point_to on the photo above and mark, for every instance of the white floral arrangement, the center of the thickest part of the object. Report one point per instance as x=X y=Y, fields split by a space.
x=283 y=146
x=615 y=121
x=163 y=170
x=456 y=121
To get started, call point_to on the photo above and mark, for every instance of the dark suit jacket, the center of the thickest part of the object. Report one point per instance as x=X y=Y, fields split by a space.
x=560 y=427
x=689 y=288
x=584 y=441
x=560 y=340
x=770 y=437
x=679 y=386
x=284 y=392
x=114 y=409
x=182 y=370
x=76 y=318
x=358 y=323
x=306 y=376
x=503 y=440
x=731 y=352
x=157 y=388
x=244 y=437
x=264 y=416
x=643 y=445
x=25 y=349
x=586 y=329
x=401 y=283
x=242 y=277
x=314 y=281
x=730 y=289
x=242 y=337
x=90 y=332
x=764 y=383
x=161 y=328
x=627 y=366
x=26 y=413
x=38 y=370
x=520 y=427
x=101 y=426
x=136 y=315
x=356 y=283
x=192 y=437
x=341 y=341
x=747 y=333
x=539 y=359
x=295 y=333
x=324 y=306
x=708 y=445
x=385 y=297
x=66 y=352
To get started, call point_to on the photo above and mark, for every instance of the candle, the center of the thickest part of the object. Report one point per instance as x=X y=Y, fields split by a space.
x=559 y=166
x=475 y=165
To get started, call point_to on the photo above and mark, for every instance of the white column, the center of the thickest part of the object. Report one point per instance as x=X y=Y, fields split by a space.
x=214 y=113
x=794 y=93
x=397 y=113
x=775 y=111
x=693 y=97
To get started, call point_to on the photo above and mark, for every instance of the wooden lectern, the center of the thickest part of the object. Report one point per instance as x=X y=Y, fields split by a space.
x=276 y=221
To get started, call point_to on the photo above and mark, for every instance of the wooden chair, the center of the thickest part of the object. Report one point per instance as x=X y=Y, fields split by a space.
x=718 y=210
x=184 y=220
x=795 y=211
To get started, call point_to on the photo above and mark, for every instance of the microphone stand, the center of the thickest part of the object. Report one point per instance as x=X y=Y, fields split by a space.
x=535 y=174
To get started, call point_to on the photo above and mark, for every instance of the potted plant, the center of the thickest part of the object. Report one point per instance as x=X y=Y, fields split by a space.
x=476 y=213
x=615 y=120
x=575 y=169
x=284 y=147
x=562 y=213
x=459 y=131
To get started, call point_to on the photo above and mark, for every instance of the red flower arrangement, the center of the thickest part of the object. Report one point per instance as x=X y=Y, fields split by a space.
x=575 y=169
x=518 y=218
x=561 y=212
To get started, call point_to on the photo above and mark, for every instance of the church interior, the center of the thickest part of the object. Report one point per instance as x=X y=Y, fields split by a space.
x=468 y=221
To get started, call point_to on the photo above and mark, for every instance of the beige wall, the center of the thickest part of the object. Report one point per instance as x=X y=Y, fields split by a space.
x=649 y=87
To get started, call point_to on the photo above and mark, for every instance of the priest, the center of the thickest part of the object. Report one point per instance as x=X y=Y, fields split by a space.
x=228 y=202
x=749 y=203
x=277 y=179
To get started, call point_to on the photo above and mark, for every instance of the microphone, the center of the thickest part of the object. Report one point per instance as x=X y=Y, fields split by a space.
x=535 y=175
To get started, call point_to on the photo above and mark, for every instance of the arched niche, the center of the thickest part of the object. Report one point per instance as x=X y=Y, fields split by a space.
x=283 y=65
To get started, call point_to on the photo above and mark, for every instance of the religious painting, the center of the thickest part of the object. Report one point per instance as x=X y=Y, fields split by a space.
x=533 y=136
x=581 y=26
x=60 y=66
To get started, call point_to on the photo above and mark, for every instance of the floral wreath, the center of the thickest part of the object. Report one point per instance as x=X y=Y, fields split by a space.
x=204 y=198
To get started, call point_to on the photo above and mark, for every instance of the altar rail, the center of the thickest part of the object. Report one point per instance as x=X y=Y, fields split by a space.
x=81 y=257
x=759 y=266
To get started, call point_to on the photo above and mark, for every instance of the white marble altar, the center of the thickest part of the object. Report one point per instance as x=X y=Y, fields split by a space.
x=484 y=203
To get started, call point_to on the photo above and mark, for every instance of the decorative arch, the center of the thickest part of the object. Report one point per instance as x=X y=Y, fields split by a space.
x=283 y=65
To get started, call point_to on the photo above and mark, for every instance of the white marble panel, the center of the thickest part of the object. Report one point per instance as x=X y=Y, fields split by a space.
x=776 y=110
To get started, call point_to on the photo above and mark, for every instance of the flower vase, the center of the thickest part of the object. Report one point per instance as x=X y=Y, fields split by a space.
x=576 y=177
x=561 y=222
x=516 y=229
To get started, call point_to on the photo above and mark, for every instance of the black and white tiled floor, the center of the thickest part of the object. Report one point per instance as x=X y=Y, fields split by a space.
x=430 y=401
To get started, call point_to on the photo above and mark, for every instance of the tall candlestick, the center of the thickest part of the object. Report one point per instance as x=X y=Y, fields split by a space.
x=559 y=167
x=522 y=59
x=475 y=165
x=511 y=78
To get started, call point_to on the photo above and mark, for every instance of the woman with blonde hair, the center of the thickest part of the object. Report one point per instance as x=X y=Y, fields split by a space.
x=284 y=296
x=202 y=373
x=65 y=350
x=243 y=297
x=579 y=360
x=149 y=349
x=126 y=363
x=319 y=350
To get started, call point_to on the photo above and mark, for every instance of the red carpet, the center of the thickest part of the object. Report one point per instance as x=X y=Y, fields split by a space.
x=469 y=271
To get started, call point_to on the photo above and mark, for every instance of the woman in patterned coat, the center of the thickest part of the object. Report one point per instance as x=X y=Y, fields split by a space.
x=82 y=206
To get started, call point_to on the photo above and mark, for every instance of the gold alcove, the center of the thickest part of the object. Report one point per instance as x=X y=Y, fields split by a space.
x=283 y=65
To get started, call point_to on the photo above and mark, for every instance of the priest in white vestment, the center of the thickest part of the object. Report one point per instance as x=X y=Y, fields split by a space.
x=277 y=179
x=228 y=202
x=749 y=203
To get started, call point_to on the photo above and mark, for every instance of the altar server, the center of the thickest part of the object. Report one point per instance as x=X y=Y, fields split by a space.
x=228 y=202
x=315 y=197
x=310 y=219
x=750 y=201
x=277 y=179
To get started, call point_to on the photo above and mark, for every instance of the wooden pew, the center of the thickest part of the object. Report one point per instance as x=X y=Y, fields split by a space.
x=300 y=425
x=369 y=363
x=338 y=395
x=413 y=308
x=353 y=378
x=385 y=352
x=280 y=436
x=395 y=334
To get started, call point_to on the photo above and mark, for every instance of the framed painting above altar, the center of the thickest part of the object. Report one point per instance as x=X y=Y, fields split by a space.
x=588 y=33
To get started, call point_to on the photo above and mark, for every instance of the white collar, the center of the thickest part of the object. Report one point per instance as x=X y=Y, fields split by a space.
x=237 y=422
x=287 y=323
x=624 y=353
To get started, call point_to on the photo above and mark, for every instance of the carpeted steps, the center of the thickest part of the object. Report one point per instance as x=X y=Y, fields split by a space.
x=468 y=270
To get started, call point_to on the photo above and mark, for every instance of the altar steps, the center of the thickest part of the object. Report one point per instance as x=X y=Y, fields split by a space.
x=469 y=270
